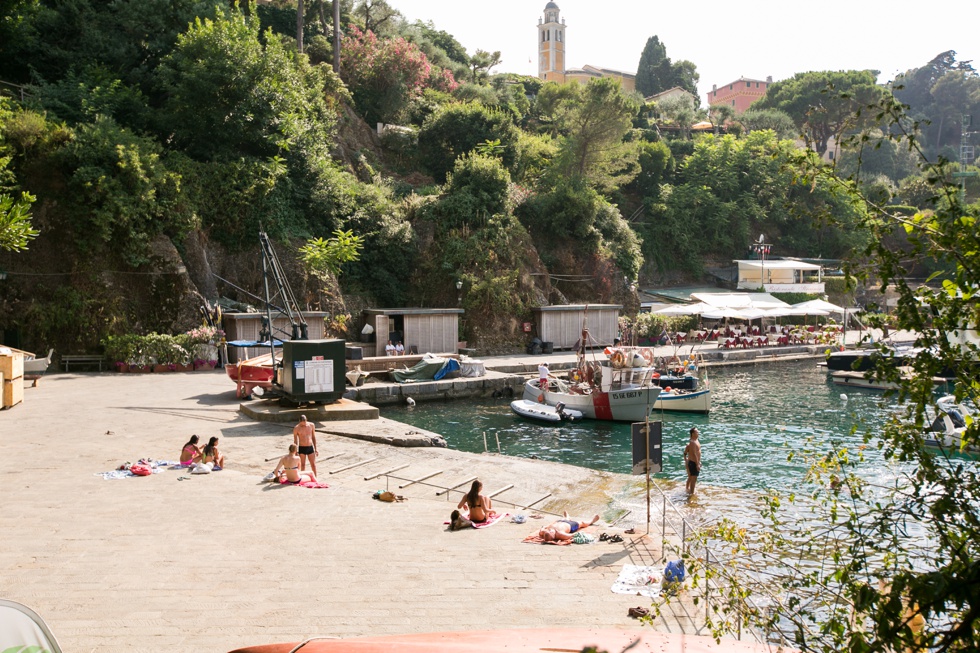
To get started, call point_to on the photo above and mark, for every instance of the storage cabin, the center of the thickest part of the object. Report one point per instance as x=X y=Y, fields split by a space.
x=246 y=326
x=562 y=325
x=420 y=330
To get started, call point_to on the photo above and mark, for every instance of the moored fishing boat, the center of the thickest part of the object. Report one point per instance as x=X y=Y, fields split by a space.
x=684 y=401
x=631 y=404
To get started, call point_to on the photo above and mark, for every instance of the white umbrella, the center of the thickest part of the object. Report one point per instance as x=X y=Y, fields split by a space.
x=818 y=305
x=685 y=309
x=753 y=313
x=722 y=313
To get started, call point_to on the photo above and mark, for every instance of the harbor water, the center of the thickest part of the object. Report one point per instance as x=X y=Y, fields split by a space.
x=763 y=416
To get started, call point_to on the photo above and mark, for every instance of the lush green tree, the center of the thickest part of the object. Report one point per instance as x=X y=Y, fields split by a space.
x=229 y=94
x=376 y=16
x=772 y=119
x=571 y=215
x=481 y=63
x=15 y=222
x=894 y=568
x=457 y=129
x=656 y=167
x=824 y=105
x=594 y=121
x=677 y=111
x=444 y=40
x=648 y=81
x=719 y=114
x=873 y=154
x=655 y=73
x=728 y=191
x=938 y=114
x=385 y=75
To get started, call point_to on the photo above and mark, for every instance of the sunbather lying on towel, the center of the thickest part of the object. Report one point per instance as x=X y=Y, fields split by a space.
x=564 y=528
x=288 y=469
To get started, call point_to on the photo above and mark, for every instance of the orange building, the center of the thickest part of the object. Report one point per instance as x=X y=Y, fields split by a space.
x=740 y=94
x=552 y=61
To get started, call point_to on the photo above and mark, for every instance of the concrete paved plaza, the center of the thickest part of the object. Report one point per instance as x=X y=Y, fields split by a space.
x=174 y=562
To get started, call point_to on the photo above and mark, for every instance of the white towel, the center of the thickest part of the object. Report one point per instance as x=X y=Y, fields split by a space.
x=637 y=580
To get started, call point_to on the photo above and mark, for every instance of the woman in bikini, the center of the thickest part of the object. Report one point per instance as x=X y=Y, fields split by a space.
x=191 y=453
x=563 y=529
x=479 y=505
x=212 y=455
x=287 y=471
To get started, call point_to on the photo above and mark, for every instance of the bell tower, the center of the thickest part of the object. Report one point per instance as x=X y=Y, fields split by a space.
x=551 y=44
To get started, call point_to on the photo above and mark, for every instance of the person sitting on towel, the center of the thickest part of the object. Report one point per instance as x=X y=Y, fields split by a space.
x=563 y=529
x=212 y=455
x=479 y=505
x=191 y=452
x=287 y=471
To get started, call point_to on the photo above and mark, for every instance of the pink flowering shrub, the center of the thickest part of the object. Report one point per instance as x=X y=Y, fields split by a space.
x=384 y=75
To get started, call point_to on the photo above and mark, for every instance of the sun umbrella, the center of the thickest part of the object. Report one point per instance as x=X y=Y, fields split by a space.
x=819 y=305
x=722 y=313
x=684 y=309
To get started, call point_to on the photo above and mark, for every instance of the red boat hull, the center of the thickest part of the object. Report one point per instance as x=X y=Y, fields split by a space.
x=250 y=374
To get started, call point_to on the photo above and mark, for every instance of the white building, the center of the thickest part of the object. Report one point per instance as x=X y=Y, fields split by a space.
x=780 y=276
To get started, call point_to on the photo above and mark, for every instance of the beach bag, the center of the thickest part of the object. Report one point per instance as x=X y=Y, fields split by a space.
x=674 y=572
x=583 y=538
x=140 y=470
x=201 y=468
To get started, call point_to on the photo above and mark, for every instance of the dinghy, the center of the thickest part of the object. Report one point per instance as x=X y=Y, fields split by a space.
x=543 y=412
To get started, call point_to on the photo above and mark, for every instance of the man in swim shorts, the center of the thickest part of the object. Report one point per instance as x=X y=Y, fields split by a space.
x=692 y=458
x=304 y=437
x=564 y=528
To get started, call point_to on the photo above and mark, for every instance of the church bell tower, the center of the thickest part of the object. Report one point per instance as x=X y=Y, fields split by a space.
x=551 y=44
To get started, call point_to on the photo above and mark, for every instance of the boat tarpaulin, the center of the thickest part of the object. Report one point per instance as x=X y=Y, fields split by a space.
x=425 y=370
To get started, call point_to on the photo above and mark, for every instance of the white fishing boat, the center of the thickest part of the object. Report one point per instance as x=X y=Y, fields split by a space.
x=684 y=401
x=618 y=405
x=545 y=413
x=866 y=380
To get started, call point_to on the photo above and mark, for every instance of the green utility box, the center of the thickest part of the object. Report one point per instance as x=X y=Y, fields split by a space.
x=313 y=370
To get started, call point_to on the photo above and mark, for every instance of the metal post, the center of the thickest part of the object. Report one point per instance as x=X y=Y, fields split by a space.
x=663 y=530
x=646 y=464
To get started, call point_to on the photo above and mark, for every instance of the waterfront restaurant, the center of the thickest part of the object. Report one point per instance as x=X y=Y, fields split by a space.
x=780 y=275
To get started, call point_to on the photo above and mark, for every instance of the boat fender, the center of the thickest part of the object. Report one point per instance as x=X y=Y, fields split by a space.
x=668 y=389
x=540 y=399
x=656 y=375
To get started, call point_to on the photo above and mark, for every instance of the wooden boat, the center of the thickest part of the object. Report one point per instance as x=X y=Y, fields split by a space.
x=684 y=401
x=544 y=412
x=250 y=374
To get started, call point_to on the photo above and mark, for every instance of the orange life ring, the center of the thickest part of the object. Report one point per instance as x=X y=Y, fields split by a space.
x=648 y=356
x=618 y=359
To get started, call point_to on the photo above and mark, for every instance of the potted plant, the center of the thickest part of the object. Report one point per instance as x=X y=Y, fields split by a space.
x=122 y=350
x=202 y=345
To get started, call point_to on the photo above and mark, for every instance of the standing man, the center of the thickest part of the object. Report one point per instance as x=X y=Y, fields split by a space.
x=692 y=457
x=304 y=437
x=543 y=377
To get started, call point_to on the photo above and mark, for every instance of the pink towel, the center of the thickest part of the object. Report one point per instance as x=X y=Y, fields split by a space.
x=490 y=522
x=309 y=484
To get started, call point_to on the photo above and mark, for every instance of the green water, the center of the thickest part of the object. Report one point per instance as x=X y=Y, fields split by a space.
x=760 y=413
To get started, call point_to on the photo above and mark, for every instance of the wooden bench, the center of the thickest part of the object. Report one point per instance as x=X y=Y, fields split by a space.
x=82 y=359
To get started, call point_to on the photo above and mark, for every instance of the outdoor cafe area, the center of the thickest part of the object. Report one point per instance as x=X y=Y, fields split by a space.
x=732 y=317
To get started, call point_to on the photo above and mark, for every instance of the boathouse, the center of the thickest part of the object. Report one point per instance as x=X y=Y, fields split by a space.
x=562 y=325
x=421 y=330
x=246 y=327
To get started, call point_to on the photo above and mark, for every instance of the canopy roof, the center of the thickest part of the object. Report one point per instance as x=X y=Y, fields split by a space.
x=684 y=309
x=739 y=299
x=777 y=265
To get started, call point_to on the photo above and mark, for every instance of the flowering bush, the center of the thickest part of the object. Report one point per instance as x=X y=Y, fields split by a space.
x=203 y=335
x=384 y=75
